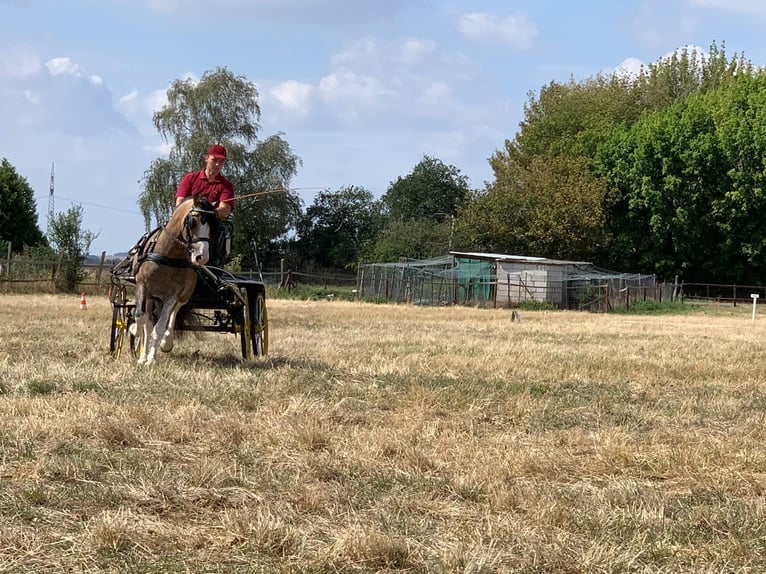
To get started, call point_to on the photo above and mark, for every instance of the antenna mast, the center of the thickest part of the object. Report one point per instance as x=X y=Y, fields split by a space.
x=50 y=203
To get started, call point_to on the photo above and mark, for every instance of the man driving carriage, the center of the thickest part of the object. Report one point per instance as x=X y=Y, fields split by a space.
x=219 y=191
x=210 y=184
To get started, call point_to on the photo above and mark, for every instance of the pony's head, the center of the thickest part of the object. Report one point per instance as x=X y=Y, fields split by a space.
x=200 y=223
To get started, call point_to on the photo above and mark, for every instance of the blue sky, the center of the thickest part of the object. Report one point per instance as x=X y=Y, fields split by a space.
x=361 y=89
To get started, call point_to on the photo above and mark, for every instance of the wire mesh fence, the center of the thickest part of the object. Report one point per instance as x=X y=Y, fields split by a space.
x=452 y=281
x=443 y=280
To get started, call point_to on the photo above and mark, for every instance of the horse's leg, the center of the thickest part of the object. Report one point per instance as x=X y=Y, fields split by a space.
x=166 y=345
x=143 y=322
x=169 y=307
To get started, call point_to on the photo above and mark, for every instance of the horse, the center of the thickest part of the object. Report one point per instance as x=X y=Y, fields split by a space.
x=166 y=273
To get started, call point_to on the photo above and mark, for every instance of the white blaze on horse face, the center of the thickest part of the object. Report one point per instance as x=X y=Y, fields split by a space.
x=200 y=250
x=200 y=254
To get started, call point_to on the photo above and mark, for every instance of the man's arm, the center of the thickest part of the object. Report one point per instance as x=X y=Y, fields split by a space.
x=223 y=210
x=184 y=188
x=226 y=202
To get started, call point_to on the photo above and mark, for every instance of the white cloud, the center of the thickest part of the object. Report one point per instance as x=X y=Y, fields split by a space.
x=59 y=66
x=414 y=51
x=346 y=85
x=701 y=53
x=405 y=84
x=31 y=97
x=142 y=106
x=128 y=100
x=630 y=67
x=55 y=97
x=293 y=96
x=435 y=92
x=18 y=63
x=65 y=66
x=363 y=52
x=482 y=27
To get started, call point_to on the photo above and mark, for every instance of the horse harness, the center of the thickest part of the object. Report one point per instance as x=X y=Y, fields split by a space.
x=145 y=249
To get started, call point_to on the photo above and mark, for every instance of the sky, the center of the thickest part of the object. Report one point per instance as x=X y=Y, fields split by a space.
x=362 y=90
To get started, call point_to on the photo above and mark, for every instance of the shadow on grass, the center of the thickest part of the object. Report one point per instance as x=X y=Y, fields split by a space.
x=256 y=364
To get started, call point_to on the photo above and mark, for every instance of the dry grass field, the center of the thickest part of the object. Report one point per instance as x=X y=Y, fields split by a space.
x=385 y=439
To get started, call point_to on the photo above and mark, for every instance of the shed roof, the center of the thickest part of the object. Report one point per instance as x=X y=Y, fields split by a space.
x=516 y=258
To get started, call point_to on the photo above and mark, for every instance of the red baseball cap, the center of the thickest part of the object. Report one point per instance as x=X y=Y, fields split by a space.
x=217 y=151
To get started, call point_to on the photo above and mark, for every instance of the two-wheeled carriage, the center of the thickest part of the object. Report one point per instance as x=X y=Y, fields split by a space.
x=222 y=302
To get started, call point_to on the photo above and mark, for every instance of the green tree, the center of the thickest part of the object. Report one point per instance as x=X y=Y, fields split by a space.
x=419 y=212
x=573 y=118
x=264 y=219
x=686 y=186
x=432 y=191
x=18 y=210
x=223 y=108
x=549 y=196
x=72 y=243
x=548 y=208
x=411 y=239
x=337 y=227
x=686 y=72
x=545 y=199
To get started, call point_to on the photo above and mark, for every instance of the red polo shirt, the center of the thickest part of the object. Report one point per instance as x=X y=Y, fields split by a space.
x=196 y=182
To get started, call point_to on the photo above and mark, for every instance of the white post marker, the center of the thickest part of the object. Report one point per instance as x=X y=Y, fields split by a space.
x=755 y=301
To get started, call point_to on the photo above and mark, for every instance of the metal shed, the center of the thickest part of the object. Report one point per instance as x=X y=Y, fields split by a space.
x=501 y=280
x=519 y=278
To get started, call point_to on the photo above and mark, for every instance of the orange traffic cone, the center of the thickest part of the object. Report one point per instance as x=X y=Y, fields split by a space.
x=83 y=302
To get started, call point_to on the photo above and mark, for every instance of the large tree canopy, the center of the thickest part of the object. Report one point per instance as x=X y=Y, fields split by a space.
x=432 y=190
x=632 y=173
x=337 y=227
x=550 y=207
x=419 y=212
x=686 y=186
x=223 y=108
x=18 y=215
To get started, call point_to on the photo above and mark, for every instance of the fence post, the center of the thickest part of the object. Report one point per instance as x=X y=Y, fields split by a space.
x=8 y=263
x=734 y=288
x=100 y=268
x=56 y=267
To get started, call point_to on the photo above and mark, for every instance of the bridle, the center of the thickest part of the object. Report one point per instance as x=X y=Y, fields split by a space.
x=203 y=214
x=187 y=238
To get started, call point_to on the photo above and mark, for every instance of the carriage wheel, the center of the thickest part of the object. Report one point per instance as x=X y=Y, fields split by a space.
x=120 y=322
x=244 y=326
x=259 y=326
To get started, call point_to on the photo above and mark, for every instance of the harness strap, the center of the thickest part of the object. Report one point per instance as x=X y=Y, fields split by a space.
x=163 y=260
